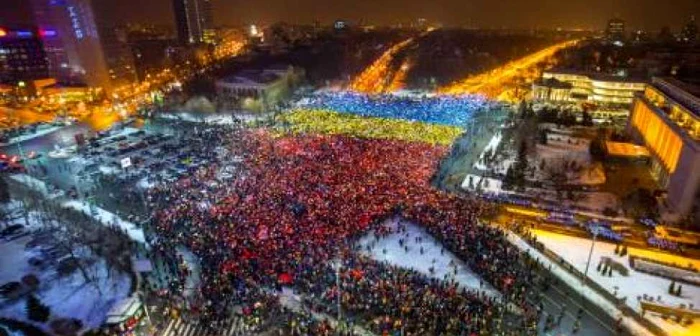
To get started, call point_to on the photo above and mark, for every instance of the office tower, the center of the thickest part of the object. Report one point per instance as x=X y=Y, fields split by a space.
x=22 y=57
x=194 y=21
x=86 y=47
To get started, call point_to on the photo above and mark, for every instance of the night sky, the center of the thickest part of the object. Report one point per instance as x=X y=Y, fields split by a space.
x=646 y=14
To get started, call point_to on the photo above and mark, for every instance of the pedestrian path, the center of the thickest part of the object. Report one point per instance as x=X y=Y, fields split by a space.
x=180 y=327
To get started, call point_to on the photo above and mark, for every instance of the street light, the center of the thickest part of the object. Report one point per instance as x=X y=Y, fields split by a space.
x=590 y=254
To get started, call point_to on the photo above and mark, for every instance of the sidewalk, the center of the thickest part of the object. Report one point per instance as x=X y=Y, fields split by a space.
x=634 y=327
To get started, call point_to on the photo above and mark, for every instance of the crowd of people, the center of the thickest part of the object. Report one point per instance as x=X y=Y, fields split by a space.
x=298 y=202
x=444 y=109
x=329 y=122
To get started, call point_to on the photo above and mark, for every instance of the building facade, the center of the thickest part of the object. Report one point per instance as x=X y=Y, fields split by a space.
x=86 y=48
x=665 y=118
x=551 y=90
x=22 y=56
x=194 y=21
x=258 y=90
x=598 y=88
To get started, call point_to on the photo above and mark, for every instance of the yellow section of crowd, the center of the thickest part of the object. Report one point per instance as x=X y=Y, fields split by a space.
x=329 y=122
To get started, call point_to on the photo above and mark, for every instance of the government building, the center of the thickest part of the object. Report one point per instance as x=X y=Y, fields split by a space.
x=665 y=119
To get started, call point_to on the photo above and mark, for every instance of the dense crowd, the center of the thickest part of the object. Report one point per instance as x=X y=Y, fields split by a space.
x=444 y=110
x=328 y=122
x=299 y=202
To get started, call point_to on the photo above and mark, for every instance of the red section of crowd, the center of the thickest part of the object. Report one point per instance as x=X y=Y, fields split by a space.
x=298 y=200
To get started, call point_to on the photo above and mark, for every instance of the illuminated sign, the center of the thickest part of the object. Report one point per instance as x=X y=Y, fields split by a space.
x=75 y=22
x=47 y=33
x=24 y=33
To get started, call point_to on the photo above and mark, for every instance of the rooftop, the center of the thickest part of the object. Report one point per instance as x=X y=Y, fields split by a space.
x=553 y=83
x=623 y=149
x=252 y=77
x=684 y=93
x=598 y=75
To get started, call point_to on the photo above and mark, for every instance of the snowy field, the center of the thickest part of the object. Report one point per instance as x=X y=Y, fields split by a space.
x=575 y=251
x=608 y=307
x=107 y=218
x=101 y=215
x=566 y=147
x=68 y=296
x=488 y=184
x=443 y=262
x=39 y=133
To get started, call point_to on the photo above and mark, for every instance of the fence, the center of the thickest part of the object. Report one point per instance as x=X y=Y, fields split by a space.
x=619 y=302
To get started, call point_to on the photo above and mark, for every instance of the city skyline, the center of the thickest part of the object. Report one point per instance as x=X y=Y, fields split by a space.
x=591 y=14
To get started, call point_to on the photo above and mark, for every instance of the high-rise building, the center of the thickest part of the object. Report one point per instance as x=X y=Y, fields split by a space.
x=689 y=34
x=615 y=31
x=86 y=48
x=22 y=57
x=194 y=21
x=666 y=119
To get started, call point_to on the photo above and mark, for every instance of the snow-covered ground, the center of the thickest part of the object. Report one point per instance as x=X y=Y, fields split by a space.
x=224 y=118
x=490 y=147
x=107 y=218
x=575 y=251
x=103 y=216
x=31 y=182
x=69 y=296
x=489 y=185
x=39 y=133
x=563 y=147
x=434 y=255
x=193 y=279
x=608 y=307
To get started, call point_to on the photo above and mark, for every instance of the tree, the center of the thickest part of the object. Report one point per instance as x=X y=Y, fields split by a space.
x=587 y=119
x=510 y=179
x=543 y=137
x=597 y=148
x=4 y=190
x=37 y=311
x=521 y=164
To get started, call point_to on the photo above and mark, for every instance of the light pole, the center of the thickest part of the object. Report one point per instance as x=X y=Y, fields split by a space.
x=590 y=254
x=337 y=285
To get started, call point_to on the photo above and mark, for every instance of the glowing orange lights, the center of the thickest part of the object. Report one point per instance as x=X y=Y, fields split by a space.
x=498 y=82
x=3 y=32
x=399 y=80
x=658 y=136
x=375 y=78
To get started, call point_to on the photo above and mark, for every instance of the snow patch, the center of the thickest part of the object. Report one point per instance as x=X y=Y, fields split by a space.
x=413 y=259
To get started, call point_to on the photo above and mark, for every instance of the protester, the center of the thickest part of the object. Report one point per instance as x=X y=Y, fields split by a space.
x=299 y=202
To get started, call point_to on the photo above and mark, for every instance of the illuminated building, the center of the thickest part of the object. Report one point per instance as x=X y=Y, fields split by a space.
x=193 y=21
x=598 y=88
x=551 y=90
x=665 y=118
x=22 y=56
x=87 y=48
x=615 y=31
x=257 y=90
